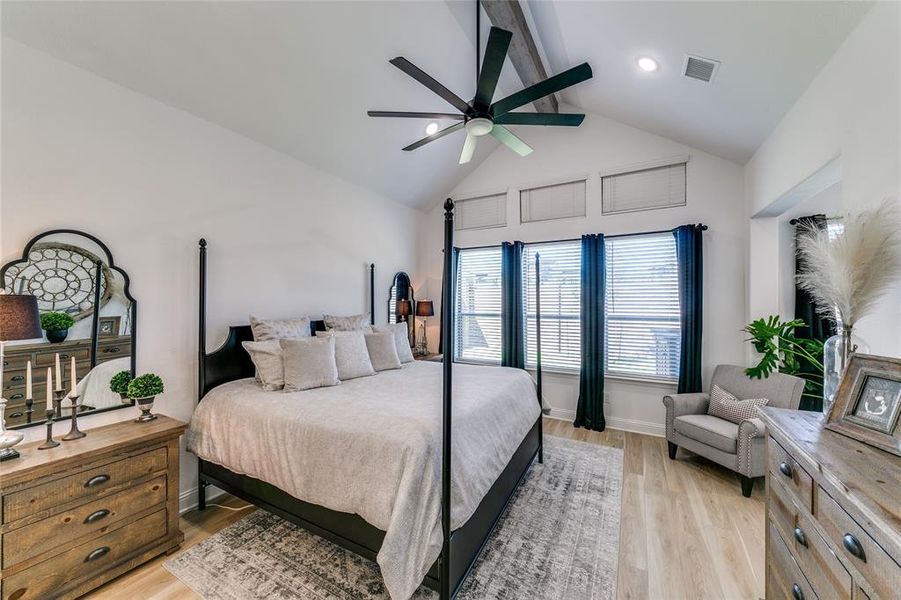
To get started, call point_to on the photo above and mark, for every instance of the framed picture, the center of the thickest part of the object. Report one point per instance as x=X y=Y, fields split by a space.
x=868 y=402
x=109 y=326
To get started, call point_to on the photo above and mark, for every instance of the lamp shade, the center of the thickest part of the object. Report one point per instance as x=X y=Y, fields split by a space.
x=403 y=308
x=424 y=308
x=19 y=318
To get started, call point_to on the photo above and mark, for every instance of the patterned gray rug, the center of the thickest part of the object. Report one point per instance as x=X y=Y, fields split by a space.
x=558 y=539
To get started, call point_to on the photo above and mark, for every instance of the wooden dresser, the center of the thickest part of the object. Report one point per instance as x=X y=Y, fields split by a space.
x=833 y=513
x=80 y=514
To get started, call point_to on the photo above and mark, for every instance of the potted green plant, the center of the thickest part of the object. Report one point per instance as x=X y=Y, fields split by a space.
x=143 y=389
x=56 y=326
x=782 y=352
x=119 y=383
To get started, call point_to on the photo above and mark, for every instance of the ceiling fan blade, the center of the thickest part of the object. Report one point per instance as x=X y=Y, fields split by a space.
x=495 y=53
x=469 y=146
x=541 y=89
x=413 y=115
x=506 y=137
x=434 y=136
x=548 y=119
x=425 y=79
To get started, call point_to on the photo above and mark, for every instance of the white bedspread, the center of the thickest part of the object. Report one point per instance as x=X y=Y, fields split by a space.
x=372 y=446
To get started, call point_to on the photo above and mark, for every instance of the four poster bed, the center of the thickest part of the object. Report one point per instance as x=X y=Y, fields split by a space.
x=334 y=446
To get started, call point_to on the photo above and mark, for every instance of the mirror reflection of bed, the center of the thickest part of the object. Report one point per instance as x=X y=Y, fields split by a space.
x=61 y=269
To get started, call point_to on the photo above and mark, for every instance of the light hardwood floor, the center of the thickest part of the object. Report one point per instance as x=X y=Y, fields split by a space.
x=687 y=532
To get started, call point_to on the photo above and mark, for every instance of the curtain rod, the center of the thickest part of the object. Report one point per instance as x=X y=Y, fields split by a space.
x=609 y=237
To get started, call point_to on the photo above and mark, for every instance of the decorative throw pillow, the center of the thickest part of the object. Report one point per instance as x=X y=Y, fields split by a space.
x=401 y=341
x=382 y=351
x=351 y=323
x=309 y=363
x=279 y=329
x=726 y=406
x=267 y=358
x=351 y=354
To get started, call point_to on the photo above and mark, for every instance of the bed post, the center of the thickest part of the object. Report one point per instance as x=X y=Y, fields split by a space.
x=538 y=357
x=447 y=324
x=372 y=293
x=201 y=361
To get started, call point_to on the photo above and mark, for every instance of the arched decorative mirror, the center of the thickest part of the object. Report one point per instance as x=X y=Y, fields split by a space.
x=87 y=313
x=401 y=301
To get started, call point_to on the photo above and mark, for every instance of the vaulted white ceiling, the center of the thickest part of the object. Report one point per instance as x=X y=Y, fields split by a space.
x=299 y=76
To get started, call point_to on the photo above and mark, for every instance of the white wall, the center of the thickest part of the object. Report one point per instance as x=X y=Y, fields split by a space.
x=149 y=180
x=851 y=110
x=714 y=197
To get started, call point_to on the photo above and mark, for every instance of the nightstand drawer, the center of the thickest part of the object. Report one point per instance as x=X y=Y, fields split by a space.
x=85 y=484
x=784 y=578
x=81 y=522
x=787 y=470
x=48 y=578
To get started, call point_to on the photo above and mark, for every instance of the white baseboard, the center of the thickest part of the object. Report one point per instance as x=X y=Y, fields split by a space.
x=631 y=425
x=187 y=500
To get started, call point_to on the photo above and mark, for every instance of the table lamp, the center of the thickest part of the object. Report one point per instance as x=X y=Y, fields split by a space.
x=424 y=309
x=19 y=320
x=404 y=308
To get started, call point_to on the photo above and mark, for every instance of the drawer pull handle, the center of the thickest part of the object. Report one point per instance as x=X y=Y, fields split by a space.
x=799 y=535
x=786 y=469
x=797 y=593
x=96 y=480
x=95 y=554
x=62 y=356
x=853 y=546
x=17 y=378
x=16 y=397
x=16 y=415
x=113 y=350
x=96 y=516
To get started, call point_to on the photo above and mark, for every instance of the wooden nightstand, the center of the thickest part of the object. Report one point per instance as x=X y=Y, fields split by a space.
x=80 y=514
x=429 y=357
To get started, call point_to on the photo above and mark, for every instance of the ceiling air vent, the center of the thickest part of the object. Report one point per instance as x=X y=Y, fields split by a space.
x=698 y=67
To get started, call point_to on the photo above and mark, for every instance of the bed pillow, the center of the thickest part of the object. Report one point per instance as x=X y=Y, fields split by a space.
x=382 y=351
x=351 y=323
x=309 y=363
x=401 y=341
x=267 y=358
x=726 y=406
x=279 y=329
x=351 y=354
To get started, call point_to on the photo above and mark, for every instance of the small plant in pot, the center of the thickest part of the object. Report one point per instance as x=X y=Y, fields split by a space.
x=119 y=383
x=143 y=389
x=56 y=326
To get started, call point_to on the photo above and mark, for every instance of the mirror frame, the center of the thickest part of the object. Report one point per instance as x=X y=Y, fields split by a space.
x=126 y=290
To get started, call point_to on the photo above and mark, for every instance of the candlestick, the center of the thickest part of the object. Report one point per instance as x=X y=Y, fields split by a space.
x=28 y=389
x=50 y=443
x=59 y=374
x=74 y=377
x=74 y=433
x=58 y=396
x=49 y=389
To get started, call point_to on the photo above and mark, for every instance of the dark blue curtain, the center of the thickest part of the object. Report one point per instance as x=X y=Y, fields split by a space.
x=512 y=346
x=441 y=332
x=689 y=254
x=590 y=410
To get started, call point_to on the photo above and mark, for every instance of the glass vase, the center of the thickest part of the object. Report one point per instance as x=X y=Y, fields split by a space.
x=836 y=352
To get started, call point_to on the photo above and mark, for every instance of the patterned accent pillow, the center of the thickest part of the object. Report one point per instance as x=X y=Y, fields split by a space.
x=267 y=358
x=309 y=363
x=279 y=329
x=382 y=351
x=351 y=354
x=726 y=406
x=351 y=323
x=401 y=340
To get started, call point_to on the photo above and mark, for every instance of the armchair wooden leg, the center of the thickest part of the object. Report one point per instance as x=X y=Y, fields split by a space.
x=672 y=450
x=747 y=486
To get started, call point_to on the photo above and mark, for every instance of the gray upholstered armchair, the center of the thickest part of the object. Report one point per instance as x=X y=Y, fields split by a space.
x=737 y=447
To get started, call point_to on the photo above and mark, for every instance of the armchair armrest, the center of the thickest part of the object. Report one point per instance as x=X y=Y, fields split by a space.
x=751 y=428
x=683 y=404
x=751 y=462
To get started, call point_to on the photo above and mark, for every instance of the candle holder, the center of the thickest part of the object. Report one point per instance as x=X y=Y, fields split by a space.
x=74 y=433
x=58 y=396
x=29 y=409
x=50 y=443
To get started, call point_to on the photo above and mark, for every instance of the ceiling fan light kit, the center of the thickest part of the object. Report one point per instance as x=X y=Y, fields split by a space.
x=480 y=116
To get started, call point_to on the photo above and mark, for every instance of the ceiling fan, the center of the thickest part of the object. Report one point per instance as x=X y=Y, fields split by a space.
x=481 y=116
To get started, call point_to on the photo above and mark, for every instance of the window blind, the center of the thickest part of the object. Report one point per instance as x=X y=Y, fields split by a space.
x=658 y=187
x=481 y=212
x=552 y=202
x=477 y=321
x=642 y=307
x=561 y=290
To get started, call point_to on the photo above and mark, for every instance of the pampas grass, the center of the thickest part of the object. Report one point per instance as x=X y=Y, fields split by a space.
x=852 y=271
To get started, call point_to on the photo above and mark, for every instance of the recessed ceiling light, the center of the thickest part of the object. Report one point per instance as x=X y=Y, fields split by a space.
x=431 y=128
x=646 y=63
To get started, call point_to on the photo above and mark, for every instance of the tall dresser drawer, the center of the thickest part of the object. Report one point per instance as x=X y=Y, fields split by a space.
x=858 y=548
x=84 y=484
x=784 y=578
x=45 y=579
x=787 y=470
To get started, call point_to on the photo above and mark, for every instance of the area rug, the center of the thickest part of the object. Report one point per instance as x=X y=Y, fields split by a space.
x=559 y=538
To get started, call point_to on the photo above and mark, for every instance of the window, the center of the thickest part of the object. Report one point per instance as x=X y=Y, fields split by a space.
x=645 y=189
x=561 y=290
x=481 y=212
x=549 y=202
x=478 y=305
x=642 y=307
